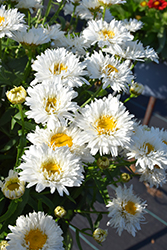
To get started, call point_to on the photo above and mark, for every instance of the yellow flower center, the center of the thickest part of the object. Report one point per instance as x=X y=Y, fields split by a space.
x=2 y=19
x=106 y=124
x=60 y=140
x=51 y=167
x=111 y=69
x=156 y=3
x=36 y=239
x=13 y=186
x=149 y=147
x=58 y=67
x=107 y=33
x=130 y=207
x=143 y=4
x=50 y=104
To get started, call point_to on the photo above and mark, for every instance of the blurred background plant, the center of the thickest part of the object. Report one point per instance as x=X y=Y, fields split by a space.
x=153 y=14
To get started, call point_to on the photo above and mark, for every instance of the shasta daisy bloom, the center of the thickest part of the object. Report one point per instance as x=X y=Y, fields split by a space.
x=58 y=135
x=133 y=50
x=126 y=211
x=12 y=187
x=108 y=3
x=106 y=125
x=59 y=63
x=32 y=5
x=56 y=169
x=35 y=231
x=154 y=177
x=76 y=44
x=32 y=37
x=113 y=33
x=112 y=72
x=50 y=101
x=132 y=24
x=10 y=20
x=147 y=148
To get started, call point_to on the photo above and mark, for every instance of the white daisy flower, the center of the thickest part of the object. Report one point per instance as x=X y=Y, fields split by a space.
x=132 y=24
x=133 y=50
x=76 y=44
x=35 y=231
x=56 y=169
x=126 y=211
x=89 y=9
x=113 y=33
x=12 y=187
x=50 y=101
x=108 y=3
x=54 y=32
x=155 y=177
x=59 y=63
x=112 y=72
x=147 y=148
x=106 y=125
x=161 y=133
x=32 y=5
x=58 y=135
x=32 y=37
x=10 y=20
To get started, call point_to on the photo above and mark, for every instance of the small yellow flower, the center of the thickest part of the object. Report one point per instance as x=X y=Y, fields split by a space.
x=59 y=212
x=3 y=245
x=16 y=95
x=103 y=162
x=100 y=235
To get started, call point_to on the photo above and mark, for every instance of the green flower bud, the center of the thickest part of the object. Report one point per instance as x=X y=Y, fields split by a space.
x=103 y=162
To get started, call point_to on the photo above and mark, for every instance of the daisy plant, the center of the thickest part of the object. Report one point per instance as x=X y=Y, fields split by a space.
x=66 y=134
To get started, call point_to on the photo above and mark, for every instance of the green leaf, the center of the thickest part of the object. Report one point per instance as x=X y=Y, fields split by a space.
x=97 y=222
x=11 y=210
x=9 y=145
x=78 y=239
x=6 y=117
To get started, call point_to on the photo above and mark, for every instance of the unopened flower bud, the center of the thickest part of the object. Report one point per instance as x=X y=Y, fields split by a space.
x=16 y=95
x=59 y=212
x=125 y=177
x=103 y=162
x=136 y=88
x=3 y=245
x=100 y=235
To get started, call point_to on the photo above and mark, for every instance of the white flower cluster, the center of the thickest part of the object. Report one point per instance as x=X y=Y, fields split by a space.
x=69 y=136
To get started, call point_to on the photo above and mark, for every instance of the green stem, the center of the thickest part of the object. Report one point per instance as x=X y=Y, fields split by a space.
x=49 y=6
x=92 y=97
x=104 y=11
x=22 y=118
x=29 y=19
x=77 y=228
x=0 y=48
x=90 y=212
x=54 y=17
x=21 y=145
